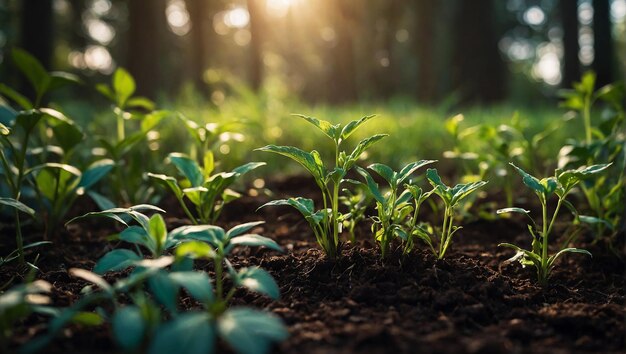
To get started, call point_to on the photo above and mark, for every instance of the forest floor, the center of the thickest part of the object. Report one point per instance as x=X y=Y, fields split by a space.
x=470 y=302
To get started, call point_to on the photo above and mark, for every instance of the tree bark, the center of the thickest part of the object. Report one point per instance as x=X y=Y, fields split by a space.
x=37 y=30
x=571 y=47
x=424 y=48
x=255 y=9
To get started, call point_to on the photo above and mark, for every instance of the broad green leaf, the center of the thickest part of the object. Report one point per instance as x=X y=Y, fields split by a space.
x=164 y=289
x=106 y=91
x=195 y=194
x=129 y=327
x=87 y=319
x=9 y=93
x=240 y=229
x=17 y=205
x=331 y=131
x=250 y=331
x=123 y=86
x=95 y=172
x=138 y=235
x=255 y=240
x=460 y=191
x=208 y=163
x=243 y=169
x=158 y=231
x=115 y=260
x=32 y=69
x=27 y=120
x=101 y=201
x=258 y=280
x=336 y=175
x=214 y=235
x=140 y=102
x=353 y=125
x=188 y=333
x=385 y=172
x=305 y=206
x=529 y=180
x=198 y=284
x=59 y=79
x=304 y=158
x=188 y=167
x=194 y=250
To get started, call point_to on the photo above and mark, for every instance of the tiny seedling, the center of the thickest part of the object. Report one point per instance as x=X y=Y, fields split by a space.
x=451 y=197
x=208 y=192
x=393 y=207
x=357 y=203
x=561 y=184
x=326 y=223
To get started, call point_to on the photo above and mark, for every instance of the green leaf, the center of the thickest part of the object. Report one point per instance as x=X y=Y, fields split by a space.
x=22 y=101
x=59 y=79
x=17 y=205
x=115 y=260
x=164 y=290
x=360 y=148
x=214 y=235
x=158 y=231
x=243 y=169
x=27 y=120
x=129 y=327
x=140 y=102
x=106 y=91
x=258 y=280
x=189 y=333
x=529 y=180
x=410 y=168
x=4 y=130
x=87 y=319
x=353 y=125
x=32 y=69
x=250 y=331
x=138 y=235
x=240 y=229
x=594 y=220
x=95 y=172
x=331 y=131
x=513 y=210
x=371 y=185
x=255 y=240
x=554 y=257
x=198 y=284
x=168 y=182
x=303 y=205
x=195 y=249
x=188 y=167
x=385 y=172
x=123 y=86
x=307 y=160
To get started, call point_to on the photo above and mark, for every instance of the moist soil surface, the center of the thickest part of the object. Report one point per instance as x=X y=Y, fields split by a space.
x=472 y=301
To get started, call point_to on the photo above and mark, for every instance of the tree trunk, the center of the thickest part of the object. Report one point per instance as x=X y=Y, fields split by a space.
x=571 y=63
x=342 y=83
x=37 y=29
x=602 y=42
x=424 y=49
x=255 y=9
x=146 y=34
x=478 y=68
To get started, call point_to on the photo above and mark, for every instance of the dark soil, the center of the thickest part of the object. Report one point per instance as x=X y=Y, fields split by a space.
x=470 y=302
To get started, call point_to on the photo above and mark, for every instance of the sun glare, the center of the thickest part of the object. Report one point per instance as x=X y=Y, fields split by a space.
x=280 y=8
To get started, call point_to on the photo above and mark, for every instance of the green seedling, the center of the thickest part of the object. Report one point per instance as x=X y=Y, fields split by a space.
x=395 y=206
x=326 y=223
x=208 y=192
x=357 y=203
x=451 y=197
x=129 y=160
x=603 y=143
x=17 y=129
x=561 y=184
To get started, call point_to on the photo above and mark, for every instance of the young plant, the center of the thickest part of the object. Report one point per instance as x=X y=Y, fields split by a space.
x=561 y=184
x=122 y=150
x=18 y=129
x=451 y=197
x=326 y=223
x=394 y=208
x=208 y=192
x=604 y=143
x=356 y=202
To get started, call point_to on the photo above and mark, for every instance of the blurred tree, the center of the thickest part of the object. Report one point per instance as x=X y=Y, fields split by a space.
x=571 y=47
x=37 y=29
x=257 y=24
x=146 y=36
x=202 y=37
x=478 y=68
x=342 y=81
x=424 y=48
x=602 y=42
